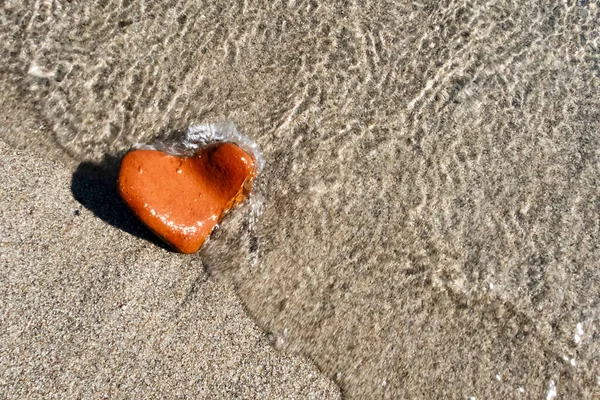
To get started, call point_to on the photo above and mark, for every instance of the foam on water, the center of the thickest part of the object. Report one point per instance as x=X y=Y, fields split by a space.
x=197 y=137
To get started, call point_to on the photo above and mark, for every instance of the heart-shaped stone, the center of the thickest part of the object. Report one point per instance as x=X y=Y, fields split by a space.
x=182 y=199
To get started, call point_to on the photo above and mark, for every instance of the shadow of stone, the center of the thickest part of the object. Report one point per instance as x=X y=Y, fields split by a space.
x=94 y=185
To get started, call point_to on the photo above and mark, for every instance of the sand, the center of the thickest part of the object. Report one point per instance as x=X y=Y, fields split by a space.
x=91 y=311
x=431 y=211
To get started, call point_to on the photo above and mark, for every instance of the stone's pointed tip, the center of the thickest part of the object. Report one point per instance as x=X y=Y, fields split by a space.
x=182 y=199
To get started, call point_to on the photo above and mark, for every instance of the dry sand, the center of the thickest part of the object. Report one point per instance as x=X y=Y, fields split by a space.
x=431 y=220
x=91 y=311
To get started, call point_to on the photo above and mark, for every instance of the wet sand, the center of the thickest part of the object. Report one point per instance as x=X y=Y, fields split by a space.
x=431 y=197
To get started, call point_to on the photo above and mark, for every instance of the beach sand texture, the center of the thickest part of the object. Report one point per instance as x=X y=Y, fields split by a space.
x=92 y=311
x=431 y=212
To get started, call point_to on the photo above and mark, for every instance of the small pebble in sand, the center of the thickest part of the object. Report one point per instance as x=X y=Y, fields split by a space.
x=181 y=198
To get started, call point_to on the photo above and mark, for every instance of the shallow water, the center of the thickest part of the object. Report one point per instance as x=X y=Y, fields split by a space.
x=431 y=204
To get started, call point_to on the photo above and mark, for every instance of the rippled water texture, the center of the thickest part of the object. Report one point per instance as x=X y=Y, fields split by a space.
x=431 y=217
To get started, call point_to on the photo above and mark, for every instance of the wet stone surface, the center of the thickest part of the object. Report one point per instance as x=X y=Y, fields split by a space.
x=182 y=199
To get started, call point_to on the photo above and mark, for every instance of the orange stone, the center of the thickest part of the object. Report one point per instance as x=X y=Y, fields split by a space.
x=182 y=199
